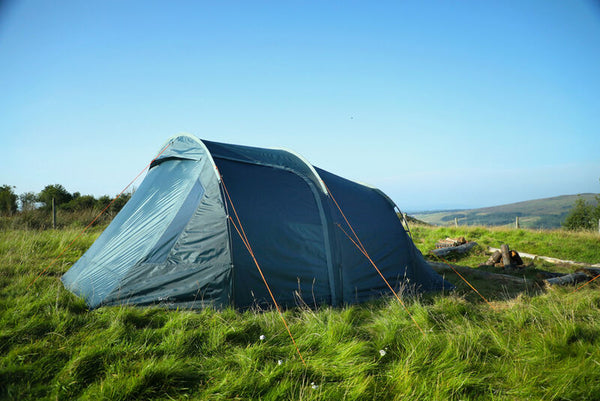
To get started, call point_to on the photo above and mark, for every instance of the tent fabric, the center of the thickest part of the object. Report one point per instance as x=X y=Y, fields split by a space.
x=173 y=243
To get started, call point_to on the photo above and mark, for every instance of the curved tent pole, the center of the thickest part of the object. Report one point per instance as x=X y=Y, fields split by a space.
x=310 y=167
x=202 y=145
x=326 y=239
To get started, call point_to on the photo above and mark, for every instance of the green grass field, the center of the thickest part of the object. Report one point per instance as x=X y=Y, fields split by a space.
x=542 y=344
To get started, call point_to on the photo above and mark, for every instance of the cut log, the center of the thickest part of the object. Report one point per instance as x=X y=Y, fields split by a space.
x=567 y=279
x=505 y=255
x=445 y=243
x=476 y=273
x=549 y=259
x=458 y=249
x=495 y=258
x=450 y=242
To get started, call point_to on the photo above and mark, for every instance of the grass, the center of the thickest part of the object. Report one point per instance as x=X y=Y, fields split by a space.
x=542 y=345
x=582 y=246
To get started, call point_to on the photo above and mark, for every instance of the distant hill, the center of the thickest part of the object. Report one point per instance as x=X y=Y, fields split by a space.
x=412 y=220
x=538 y=213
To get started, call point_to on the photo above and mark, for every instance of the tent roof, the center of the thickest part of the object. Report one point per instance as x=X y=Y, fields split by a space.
x=186 y=146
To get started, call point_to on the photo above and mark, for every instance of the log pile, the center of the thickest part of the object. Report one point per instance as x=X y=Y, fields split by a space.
x=505 y=258
x=448 y=242
x=450 y=245
x=549 y=259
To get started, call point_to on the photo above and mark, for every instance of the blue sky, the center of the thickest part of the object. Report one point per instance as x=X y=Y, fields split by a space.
x=441 y=104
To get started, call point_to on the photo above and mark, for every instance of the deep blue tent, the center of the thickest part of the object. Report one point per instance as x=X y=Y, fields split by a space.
x=174 y=244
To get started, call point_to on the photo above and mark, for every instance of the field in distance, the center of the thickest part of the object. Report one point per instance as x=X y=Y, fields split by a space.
x=538 y=213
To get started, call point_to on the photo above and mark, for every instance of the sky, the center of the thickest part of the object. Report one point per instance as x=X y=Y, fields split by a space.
x=441 y=104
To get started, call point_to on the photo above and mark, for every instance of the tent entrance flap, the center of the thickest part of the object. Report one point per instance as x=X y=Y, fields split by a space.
x=135 y=232
x=285 y=231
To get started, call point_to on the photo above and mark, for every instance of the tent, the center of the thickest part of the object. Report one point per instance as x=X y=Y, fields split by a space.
x=175 y=243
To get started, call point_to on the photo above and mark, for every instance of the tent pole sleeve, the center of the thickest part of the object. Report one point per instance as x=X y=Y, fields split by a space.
x=230 y=240
x=334 y=300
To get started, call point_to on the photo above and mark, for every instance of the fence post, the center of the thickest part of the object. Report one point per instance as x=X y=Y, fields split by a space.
x=456 y=222
x=517 y=223
x=53 y=213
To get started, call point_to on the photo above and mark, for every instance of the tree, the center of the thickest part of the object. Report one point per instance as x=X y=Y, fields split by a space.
x=28 y=201
x=596 y=212
x=584 y=215
x=8 y=199
x=80 y=202
x=120 y=202
x=103 y=202
x=58 y=192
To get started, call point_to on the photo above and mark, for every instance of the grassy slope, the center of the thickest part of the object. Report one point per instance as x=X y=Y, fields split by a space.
x=577 y=246
x=530 y=346
x=539 y=213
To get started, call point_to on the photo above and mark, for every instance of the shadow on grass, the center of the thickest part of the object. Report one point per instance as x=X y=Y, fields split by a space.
x=492 y=287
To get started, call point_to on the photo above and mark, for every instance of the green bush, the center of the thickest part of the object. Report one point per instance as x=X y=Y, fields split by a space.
x=8 y=200
x=583 y=216
x=73 y=210
x=80 y=203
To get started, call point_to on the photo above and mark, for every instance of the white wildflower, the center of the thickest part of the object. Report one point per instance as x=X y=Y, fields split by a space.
x=313 y=385
x=280 y=362
x=382 y=352
x=262 y=337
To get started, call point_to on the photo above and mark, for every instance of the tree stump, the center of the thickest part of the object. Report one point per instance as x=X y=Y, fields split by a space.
x=505 y=255
x=516 y=258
